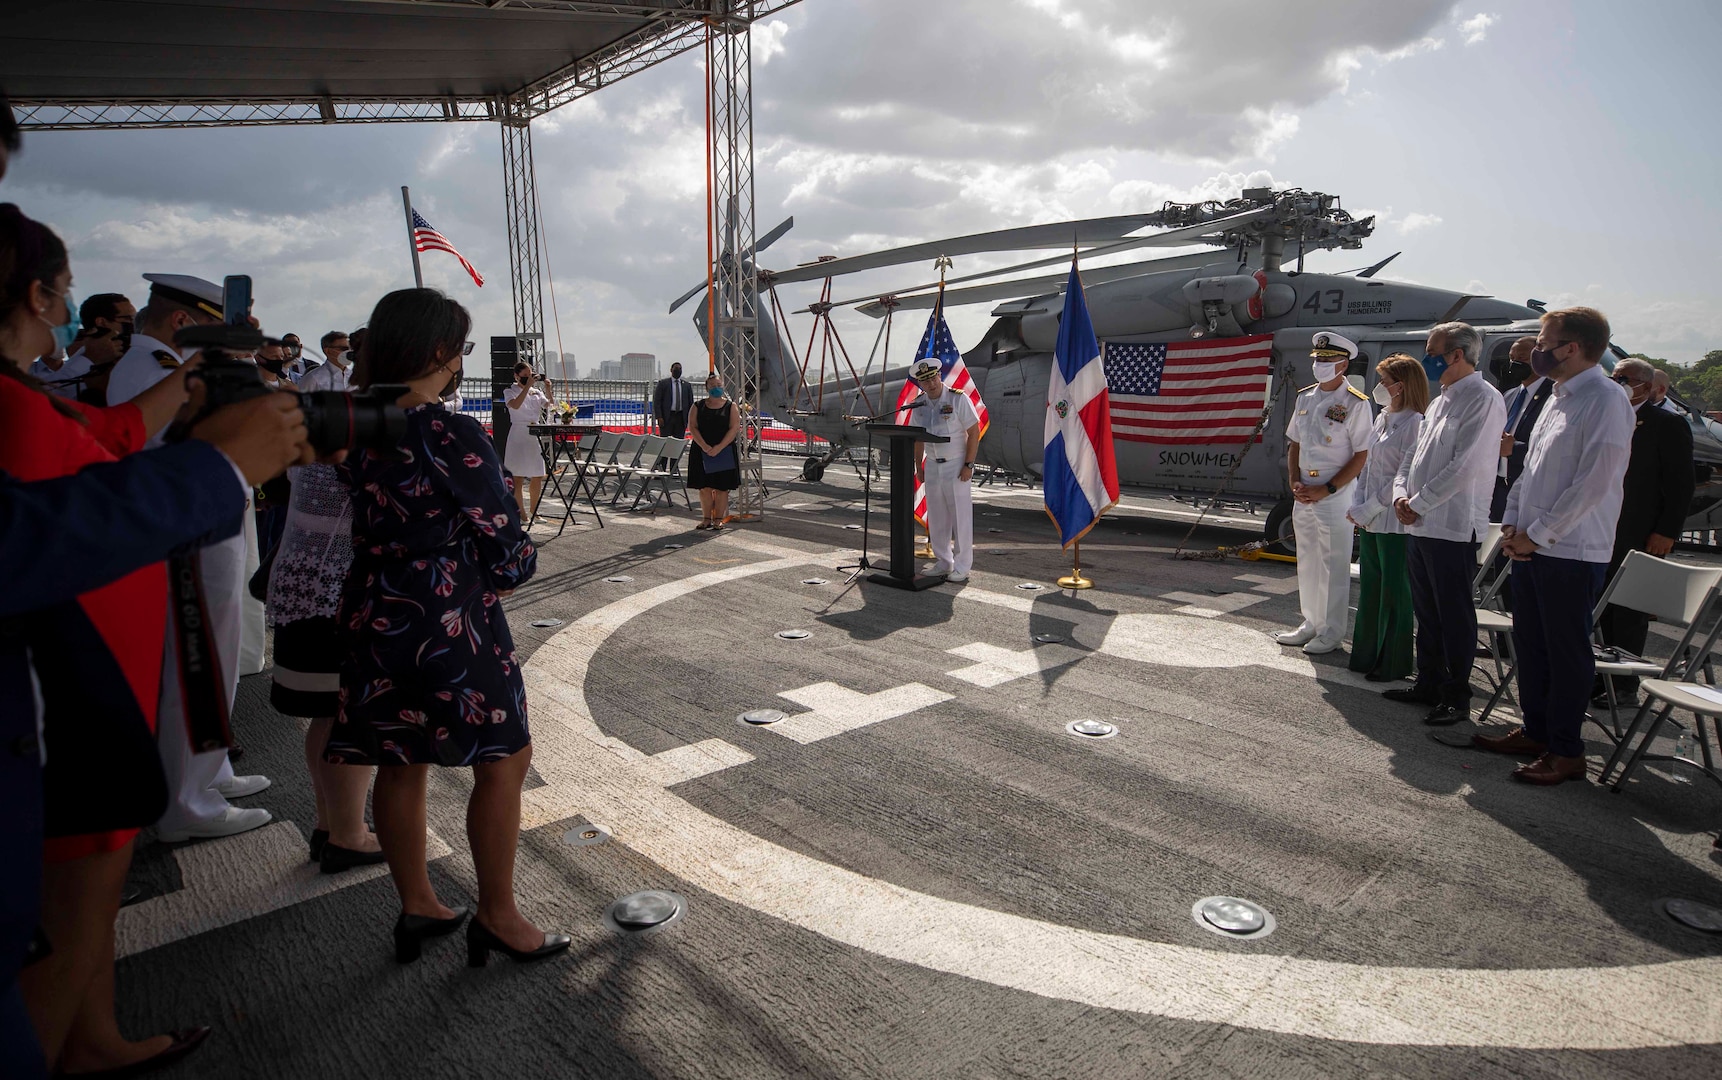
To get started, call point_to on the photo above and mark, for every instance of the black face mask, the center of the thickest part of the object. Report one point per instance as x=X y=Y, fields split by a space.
x=1515 y=373
x=453 y=386
x=273 y=366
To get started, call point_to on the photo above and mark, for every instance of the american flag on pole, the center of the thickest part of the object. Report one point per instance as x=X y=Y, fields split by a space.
x=937 y=342
x=426 y=238
x=1188 y=392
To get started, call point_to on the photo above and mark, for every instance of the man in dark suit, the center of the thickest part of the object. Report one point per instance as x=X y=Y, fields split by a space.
x=671 y=400
x=1656 y=496
x=1524 y=404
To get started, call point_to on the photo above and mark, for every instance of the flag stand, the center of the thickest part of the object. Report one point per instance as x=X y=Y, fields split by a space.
x=1075 y=580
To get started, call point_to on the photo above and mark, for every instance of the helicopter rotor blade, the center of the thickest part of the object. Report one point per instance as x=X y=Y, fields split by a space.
x=1189 y=234
x=760 y=245
x=1044 y=284
x=1373 y=269
x=1060 y=234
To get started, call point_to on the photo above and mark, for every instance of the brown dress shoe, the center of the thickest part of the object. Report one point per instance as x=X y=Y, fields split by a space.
x=1513 y=742
x=1551 y=769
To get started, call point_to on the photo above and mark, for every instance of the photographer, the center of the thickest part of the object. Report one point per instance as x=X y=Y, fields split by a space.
x=522 y=455
x=436 y=544
x=97 y=660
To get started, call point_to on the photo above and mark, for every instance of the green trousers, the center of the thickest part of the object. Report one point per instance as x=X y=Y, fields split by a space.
x=1381 y=643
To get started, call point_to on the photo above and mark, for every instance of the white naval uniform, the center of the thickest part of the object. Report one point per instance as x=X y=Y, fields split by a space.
x=191 y=778
x=1329 y=427
x=950 y=514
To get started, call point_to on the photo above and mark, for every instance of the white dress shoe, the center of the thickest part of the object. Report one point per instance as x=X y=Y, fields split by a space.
x=1302 y=635
x=956 y=577
x=936 y=570
x=241 y=786
x=229 y=822
x=1320 y=645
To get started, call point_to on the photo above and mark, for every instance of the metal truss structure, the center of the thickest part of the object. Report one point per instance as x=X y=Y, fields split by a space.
x=646 y=33
x=729 y=75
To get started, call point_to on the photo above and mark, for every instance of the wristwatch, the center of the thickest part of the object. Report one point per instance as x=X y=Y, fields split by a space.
x=1331 y=490
x=968 y=464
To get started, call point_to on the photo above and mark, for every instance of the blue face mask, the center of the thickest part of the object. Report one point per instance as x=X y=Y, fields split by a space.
x=1433 y=366
x=66 y=332
x=715 y=391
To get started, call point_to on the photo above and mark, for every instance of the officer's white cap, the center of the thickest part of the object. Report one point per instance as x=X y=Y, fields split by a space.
x=924 y=367
x=1329 y=346
x=193 y=292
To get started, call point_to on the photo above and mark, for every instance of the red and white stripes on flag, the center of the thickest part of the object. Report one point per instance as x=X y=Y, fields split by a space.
x=426 y=238
x=1188 y=392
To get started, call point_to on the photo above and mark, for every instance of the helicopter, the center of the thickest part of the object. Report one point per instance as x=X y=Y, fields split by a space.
x=1242 y=288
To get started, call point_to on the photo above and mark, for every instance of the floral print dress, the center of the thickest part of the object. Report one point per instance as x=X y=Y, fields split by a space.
x=430 y=675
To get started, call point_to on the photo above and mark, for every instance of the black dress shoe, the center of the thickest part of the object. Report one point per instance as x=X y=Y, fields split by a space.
x=1376 y=676
x=319 y=837
x=480 y=943
x=337 y=858
x=184 y=1042
x=412 y=931
x=1412 y=695
x=1447 y=715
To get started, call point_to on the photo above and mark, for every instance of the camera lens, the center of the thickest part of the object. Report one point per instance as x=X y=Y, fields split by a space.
x=361 y=420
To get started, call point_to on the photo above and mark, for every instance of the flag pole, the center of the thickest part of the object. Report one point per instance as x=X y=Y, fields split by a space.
x=412 y=242
x=1075 y=580
x=942 y=263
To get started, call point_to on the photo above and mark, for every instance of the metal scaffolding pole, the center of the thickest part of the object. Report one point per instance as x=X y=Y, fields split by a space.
x=520 y=199
x=730 y=74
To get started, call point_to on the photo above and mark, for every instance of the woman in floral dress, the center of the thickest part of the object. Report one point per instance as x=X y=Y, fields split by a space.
x=430 y=676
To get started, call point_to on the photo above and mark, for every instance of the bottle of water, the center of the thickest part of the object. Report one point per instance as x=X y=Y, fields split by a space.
x=1683 y=751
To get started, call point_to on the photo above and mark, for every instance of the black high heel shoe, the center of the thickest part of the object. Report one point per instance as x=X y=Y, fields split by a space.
x=411 y=932
x=480 y=943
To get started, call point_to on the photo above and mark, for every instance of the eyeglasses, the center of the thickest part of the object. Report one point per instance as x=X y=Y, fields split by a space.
x=1627 y=380
x=466 y=350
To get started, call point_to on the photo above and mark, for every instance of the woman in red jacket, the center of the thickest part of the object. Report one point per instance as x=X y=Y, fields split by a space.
x=70 y=992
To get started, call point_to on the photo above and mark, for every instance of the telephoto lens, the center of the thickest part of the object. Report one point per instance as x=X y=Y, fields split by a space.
x=365 y=419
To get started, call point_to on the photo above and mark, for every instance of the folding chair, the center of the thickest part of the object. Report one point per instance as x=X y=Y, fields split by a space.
x=661 y=471
x=626 y=461
x=1691 y=592
x=1486 y=590
x=641 y=468
x=602 y=462
x=1668 y=592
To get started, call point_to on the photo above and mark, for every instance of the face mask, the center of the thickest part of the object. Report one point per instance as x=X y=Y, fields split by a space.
x=453 y=386
x=1434 y=366
x=1328 y=370
x=269 y=365
x=1515 y=373
x=715 y=391
x=1382 y=396
x=66 y=332
x=1543 y=361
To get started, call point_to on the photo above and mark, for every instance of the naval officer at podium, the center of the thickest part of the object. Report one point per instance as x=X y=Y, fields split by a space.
x=946 y=468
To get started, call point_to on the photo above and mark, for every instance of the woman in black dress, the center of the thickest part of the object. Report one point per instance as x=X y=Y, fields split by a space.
x=714 y=467
x=430 y=675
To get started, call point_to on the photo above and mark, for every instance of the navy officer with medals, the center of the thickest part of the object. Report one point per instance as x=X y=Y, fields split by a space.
x=1328 y=441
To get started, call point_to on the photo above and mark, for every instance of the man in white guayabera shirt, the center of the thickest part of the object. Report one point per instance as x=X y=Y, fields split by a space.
x=1559 y=530
x=1442 y=496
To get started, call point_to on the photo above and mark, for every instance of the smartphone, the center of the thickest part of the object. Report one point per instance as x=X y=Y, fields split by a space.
x=236 y=300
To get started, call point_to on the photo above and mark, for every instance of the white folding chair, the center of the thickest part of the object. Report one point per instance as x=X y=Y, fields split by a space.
x=1678 y=595
x=627 y=460
x=644 y=463
x=1491 y=620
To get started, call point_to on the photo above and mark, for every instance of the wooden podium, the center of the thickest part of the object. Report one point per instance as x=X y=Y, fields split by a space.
x=901 y=573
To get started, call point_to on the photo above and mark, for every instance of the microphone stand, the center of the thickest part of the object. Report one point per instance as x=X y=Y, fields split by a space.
x=856 y=569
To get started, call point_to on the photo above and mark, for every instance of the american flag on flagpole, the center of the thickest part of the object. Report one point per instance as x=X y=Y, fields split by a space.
x=1188 y=392
x=426 y=238
x=937 y=342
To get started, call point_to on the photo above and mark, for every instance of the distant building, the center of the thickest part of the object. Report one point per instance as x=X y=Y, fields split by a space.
x=639 y=367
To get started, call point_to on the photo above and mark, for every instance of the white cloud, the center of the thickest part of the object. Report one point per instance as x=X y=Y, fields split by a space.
x=1415 y=222
x=1476 y=28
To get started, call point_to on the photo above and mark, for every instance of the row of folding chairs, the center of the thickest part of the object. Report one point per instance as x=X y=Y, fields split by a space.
x=1676 y=596
x=615 y=460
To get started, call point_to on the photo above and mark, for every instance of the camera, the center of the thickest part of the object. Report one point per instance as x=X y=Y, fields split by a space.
x=365 y=419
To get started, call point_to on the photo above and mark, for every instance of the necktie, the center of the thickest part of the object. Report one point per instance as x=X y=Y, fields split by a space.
x=676 y=395
x=1518 y=404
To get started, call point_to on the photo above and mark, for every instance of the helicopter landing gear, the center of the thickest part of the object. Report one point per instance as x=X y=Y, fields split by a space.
x=813 y=469
x=1279 y=527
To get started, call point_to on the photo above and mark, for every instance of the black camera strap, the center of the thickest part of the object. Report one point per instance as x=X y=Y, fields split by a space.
x=201 y=691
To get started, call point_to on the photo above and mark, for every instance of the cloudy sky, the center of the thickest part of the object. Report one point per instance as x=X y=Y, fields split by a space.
x=1522 y=148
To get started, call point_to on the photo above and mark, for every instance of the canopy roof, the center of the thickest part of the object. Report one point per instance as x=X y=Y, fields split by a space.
x=202 y=63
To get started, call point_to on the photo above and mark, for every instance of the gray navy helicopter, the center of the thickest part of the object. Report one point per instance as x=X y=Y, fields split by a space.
x=1242 y=288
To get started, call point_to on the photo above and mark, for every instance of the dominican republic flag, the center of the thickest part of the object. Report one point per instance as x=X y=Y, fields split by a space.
x=426 y=238
x=937 y=342
x=1079 y=474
